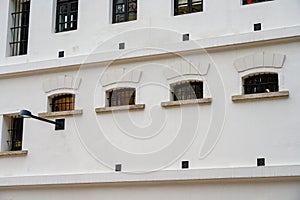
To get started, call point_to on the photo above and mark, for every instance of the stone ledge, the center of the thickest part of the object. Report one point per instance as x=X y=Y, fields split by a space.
x=234 y=173
x=13 y=153
x=61 y=113
x=120 y=108
x=259 y=96
x=186 y=102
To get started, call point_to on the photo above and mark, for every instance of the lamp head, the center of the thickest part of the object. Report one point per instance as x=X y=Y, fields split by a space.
x=25 y=113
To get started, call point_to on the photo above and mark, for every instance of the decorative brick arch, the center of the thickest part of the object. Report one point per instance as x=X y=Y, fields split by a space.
x=120 y=76
x=259 y=60
x=182 y=69
x=61 y=82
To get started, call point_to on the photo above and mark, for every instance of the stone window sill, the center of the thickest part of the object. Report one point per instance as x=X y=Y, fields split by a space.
x=60 y=113
x=120 y=108
x=13 y=153
x=259 y=96
x=186 y=102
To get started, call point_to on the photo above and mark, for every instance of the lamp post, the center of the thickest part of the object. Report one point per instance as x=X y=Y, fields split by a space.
x=59 y=123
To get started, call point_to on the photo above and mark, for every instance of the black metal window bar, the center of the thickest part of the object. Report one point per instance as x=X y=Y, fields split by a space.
x=246 y=2
x=187 y=6
x=66 y=15
x=62 y=102
x=124 y=10
x=15 y=133
x=187 y=90
x=19 y=27
x=121 y=97
x=261 y=83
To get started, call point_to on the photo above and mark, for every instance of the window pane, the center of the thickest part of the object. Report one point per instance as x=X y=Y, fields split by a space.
x=182 y=2
x=182 y=10
x=188 y=90
x=67 y=13
x=120 y=97
x=62 y=103
x=261 y=83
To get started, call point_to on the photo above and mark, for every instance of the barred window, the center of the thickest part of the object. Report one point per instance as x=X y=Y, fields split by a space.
x=19 y=27
x=246 y=2
x=121 y=96
x=15 y=133
x=187 y=6
x=66 y=15
x=124 y=10
x=260 y=83
x=187 y=90
x=62 y=102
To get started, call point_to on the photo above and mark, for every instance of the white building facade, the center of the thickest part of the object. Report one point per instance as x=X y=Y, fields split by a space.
x=175 y=99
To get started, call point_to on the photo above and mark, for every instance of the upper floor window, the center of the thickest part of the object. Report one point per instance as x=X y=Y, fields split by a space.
x=187 y=6
x=62 y=102
x=245 y=2
x=260 y=83
x=121 y=97
x=187 y=90
x=124 y=10
x=19 y=27
x=66 y=15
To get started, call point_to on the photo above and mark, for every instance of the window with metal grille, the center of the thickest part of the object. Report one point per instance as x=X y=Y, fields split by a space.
x=121 y=97
x=19 y=27
x=124 y=10
x=63 y=102
x=246 y=2
x=187 y=6
x=260 y=83
x=15 y=133
x=66 y=15
x=187 y=90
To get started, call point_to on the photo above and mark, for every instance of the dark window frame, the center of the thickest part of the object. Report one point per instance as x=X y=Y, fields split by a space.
x=62 y=102
x=189 y=7
x=121 y=96
x=261 y=83
x=185 y=90
x=70 y=16
x=19 y=27
x=15 y=133
x=128 y=7
x=249 y=2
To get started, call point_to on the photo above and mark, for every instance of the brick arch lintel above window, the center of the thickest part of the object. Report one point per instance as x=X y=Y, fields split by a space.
x=259 y=60
x=120 y=76
x=61 y=82
x=181 y=69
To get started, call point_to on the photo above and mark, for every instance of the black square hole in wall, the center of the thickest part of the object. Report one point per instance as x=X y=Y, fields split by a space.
x=118 y=167
x=257 y=27
x=260 y=161
x=185 y=164
x=61 y=54
x=60 y=124
x=185 y=37
x=122 y=45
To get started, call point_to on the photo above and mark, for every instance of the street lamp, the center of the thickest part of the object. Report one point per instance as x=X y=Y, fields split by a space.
x=59 y=123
